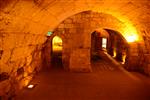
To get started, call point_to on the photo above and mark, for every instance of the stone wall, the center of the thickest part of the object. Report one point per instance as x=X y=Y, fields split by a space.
x=76 y=32
x=24 y=24
x=19 y=69
x=20 y=56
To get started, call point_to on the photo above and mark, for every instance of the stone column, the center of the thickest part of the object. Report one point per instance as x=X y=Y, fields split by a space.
x=80 y=51
x=80 y=60
x=133 y=57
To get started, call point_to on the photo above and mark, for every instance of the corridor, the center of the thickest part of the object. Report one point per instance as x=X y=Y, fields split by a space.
x=52 y=44
x=106 y=82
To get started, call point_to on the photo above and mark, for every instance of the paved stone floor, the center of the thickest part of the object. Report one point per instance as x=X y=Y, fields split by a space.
x=106 y=82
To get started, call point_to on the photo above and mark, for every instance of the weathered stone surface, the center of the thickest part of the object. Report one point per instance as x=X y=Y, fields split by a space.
x=4 y=87
x=147 y=58
x=147 y=69
x=80 y=60
x=24 y=25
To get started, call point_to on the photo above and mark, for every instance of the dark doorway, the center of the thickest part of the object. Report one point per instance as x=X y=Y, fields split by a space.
x=95 y=46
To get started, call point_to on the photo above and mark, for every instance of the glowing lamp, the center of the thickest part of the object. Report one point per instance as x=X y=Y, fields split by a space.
x=114 y=53
x=131 y=38
x=30 y=86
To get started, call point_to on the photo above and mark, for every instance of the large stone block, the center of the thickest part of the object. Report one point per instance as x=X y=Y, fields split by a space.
x=80 y=60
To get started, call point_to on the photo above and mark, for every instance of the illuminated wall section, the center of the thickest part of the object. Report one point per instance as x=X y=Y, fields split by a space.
x=57 y=44
x=104 y=43
x=129 y=31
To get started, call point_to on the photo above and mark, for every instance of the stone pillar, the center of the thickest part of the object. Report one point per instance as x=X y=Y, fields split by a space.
x=132 y=58
x=80 y=60
x=146 y=64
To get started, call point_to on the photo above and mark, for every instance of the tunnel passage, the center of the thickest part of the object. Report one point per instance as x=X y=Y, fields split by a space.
x=118 y=46
x=81 y=42
x=24 y=25
x=110 y=42
x=56 y=59
x=99 y=43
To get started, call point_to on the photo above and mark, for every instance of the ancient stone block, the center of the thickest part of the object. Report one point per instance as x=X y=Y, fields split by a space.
x=80 y=60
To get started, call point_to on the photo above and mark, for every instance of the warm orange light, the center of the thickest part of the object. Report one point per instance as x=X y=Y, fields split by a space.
x=114 y=53
x=104 y=42
x=123 y=58
x=26 y=82
x=132 y=38
x=130 y=33
x=30 y=86
x=57 y=43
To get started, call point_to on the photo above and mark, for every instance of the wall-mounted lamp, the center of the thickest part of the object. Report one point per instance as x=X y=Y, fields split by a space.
x=131 y=38
x=30 y=86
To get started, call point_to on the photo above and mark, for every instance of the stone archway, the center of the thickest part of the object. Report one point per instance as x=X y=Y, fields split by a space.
x=77 y=31
x=118 y=46
x=99 y=43
x=56 y=59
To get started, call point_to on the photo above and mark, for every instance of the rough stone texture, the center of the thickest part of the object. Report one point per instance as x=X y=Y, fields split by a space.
x=24 y=25
x=76 y=35
x=80 y=60
x=76 y=32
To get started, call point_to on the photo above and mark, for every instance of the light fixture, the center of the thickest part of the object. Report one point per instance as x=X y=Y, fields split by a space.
x=30 y=86
x=131 y=38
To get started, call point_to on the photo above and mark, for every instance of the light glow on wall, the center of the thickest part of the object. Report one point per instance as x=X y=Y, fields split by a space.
x=57 y=43
x=127 y=29
x=104 y=43
x=124 y=59
x=130 y=34
x=114 y=53
x=132 y=38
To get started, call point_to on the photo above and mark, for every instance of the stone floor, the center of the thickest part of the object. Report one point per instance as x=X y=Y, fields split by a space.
x=106 y=82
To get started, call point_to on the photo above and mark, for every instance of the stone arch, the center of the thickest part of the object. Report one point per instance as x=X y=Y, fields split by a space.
x=47 y=51
x=56 y=41
x=77 y=31
x=118 y=40
x=97 y=43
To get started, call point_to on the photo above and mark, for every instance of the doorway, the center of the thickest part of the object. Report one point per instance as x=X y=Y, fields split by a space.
x=57 y=52
x=95 y=46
